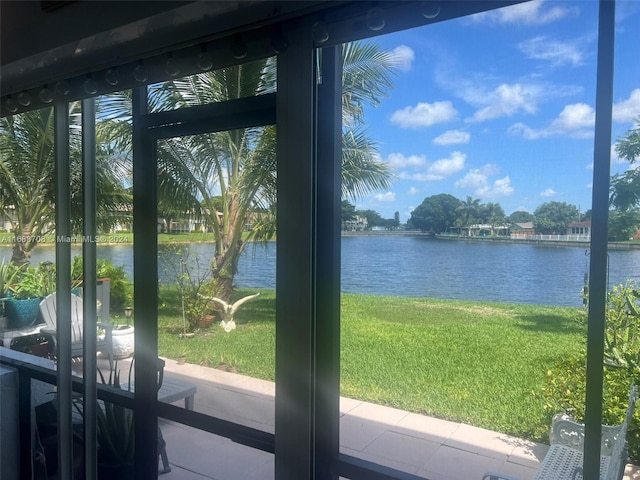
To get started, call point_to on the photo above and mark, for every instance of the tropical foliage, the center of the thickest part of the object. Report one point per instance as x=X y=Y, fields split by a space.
x=625 y=189
x=225 y=179
x=565 y=383
x=436 y=213
x=228 y=179
x=553 y=217
x=27 y=178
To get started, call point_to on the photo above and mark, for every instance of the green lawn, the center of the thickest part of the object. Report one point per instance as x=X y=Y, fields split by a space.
x=479 y=363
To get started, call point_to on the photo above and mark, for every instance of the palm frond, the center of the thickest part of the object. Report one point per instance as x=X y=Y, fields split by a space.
x=362 y=172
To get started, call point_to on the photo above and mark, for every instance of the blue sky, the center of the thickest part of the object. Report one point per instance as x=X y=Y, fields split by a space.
x=500 y=106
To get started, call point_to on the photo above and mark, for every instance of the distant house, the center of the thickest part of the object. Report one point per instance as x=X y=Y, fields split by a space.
x=358 y=224
x=579 y=228
x=8 y=220
x=523 y=228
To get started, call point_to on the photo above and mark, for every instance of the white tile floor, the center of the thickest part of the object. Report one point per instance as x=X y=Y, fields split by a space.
x=429 y=447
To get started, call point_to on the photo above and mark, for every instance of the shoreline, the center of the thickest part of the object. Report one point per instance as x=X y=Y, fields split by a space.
x=544 y=243
x=124 y=240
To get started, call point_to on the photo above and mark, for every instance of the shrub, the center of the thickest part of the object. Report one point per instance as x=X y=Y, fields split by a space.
x=120 y=287
x=194 y=280
x=564 y=388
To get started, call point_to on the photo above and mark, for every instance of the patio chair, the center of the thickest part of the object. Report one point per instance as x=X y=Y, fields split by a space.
x=104 y=342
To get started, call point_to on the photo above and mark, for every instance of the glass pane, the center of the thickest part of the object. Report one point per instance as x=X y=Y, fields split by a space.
x=251 y=79
x=217 y=273
x=192 y=453
x=456 y=319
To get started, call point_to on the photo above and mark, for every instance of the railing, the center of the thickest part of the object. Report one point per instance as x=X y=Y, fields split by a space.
x=553 y=238
x=345 y=465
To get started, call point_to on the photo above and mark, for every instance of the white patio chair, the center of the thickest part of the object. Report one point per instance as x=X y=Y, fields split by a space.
x=104 y=342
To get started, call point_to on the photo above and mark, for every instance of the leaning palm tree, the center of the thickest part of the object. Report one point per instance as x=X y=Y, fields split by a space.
x=27 y=188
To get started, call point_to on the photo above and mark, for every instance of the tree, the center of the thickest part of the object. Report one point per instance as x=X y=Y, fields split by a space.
x=27 y=180
x=229 y=177
x=625 y=187
x=628 y=147
x=348 y=211
x=520 y=216
x=436 y=213
x=554 y=217
x=396 y=219
x=492 y=213
x=623 y=224
x=468 y=211
x=373 y=218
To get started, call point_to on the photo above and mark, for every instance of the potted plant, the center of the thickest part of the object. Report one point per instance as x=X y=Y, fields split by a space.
x=8 y=275
x=123 y=336
x=115 y=435
x=30 y=286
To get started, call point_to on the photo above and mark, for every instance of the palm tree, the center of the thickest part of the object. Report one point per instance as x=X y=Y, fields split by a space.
x=27 y=188
x=468 y=212
x=493 y=213
x=229 y=178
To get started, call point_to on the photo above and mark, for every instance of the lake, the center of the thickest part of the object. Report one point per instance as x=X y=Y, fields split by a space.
x=425 y=267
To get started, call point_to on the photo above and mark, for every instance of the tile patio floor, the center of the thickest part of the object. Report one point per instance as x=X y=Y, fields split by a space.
x=425 y=446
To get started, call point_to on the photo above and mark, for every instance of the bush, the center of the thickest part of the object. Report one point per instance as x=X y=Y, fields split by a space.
x=565 y=391
x=121 y=289
x=564 y=388
x=195 y=282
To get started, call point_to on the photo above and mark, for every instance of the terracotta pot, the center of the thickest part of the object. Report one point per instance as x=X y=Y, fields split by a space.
x=205 y=321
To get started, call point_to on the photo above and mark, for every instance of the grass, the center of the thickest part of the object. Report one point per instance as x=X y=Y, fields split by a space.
x=478 y=363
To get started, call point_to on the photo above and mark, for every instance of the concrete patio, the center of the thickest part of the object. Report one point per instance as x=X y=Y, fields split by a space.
x=425 y=446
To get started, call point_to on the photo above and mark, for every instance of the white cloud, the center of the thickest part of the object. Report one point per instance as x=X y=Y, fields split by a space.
x=549 y=192
x=403 y=57
x=448 y=166
x=500 y=188
x=452 y=137
x=413 y=191
x=424 y=114
x=578 y=120
x=437 y=170
x=628 y=110
x=556 y=52
x=614 y=159
x=385 y=197
x=574 y=118
x=614 y=156
x=398 y=160
x=527 y=13
x=478 y=180
x=575 y=121
x=506 y=100
x=477 y=177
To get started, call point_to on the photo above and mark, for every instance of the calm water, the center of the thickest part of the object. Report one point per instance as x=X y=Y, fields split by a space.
x=420 y=267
